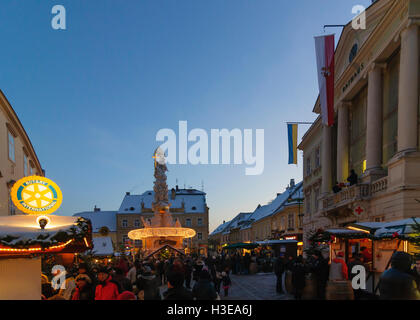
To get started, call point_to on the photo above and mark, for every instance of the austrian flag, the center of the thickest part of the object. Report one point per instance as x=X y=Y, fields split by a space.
x=324 y=46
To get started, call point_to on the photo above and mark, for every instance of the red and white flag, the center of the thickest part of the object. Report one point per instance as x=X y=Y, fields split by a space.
x=324 y=46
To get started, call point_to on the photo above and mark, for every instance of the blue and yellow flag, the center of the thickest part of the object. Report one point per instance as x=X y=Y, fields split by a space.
x=292 y=129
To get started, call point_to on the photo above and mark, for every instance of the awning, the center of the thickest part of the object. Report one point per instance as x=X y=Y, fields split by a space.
x=273 y=242
x=241 y=245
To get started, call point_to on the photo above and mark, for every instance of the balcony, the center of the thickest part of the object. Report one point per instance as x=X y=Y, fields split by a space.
x=363 y=191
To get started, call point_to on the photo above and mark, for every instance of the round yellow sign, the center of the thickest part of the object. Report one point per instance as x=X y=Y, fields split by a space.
x=36 y=195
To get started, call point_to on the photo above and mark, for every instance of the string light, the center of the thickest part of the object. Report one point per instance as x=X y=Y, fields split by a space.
x=37 y=249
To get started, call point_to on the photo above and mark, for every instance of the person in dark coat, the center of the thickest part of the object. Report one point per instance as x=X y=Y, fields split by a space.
x=176 y=290
x=279 y=268
x=396 y=283
x=204 y=288
x=226 y=281
x=188 y=273
x=356 y=261
x=84 y=289
x=321 y=271
x=298 y=277
x=123 y=281
x=149 y=283
x=198 y=266
x=353 y=178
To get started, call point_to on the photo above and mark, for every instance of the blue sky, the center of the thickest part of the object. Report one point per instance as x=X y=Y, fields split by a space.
x=92 y=97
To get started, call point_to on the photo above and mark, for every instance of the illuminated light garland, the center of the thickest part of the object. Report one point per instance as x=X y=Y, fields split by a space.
x=37 y=249
x=161 y=232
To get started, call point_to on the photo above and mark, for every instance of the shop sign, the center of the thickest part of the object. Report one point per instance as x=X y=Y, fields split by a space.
x=353 y=76
x=36 y=195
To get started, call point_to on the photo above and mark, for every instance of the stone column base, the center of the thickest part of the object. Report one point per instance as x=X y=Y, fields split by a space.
x=373 y=174
x=404 y=170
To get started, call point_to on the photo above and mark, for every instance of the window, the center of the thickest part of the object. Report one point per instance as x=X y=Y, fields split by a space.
x=316 y=200
x=125 y=223
x=12 y=208
x=200 y=221
x=308 y=203
x=317 y=158
x=308 y=165
x=25 y=165
x=137 y=223
x=199 y=236
x=358 y=132
x=188 y=222
x=390 y=109
x=291 y=221
x=125 y=240
x=300 y=221
x=11 y=147
x=31 y=170
x=283 y=223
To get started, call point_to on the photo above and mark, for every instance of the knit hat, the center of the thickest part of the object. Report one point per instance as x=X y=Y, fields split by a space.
x=83 y=277
x=126 y=295
x=103 y=270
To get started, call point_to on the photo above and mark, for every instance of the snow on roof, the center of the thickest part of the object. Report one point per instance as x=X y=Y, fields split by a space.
x=194 y=201
x=278 y=203
x=220 y=228
x=25 y=228
x=102 y=246
x=100 y=219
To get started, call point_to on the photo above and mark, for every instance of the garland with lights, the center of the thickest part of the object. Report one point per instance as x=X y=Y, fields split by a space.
x=77 y=232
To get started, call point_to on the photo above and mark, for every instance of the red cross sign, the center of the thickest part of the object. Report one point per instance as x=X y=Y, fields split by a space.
x=358 y=211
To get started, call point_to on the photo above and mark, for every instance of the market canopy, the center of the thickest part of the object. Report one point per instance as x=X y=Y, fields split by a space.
x=102 y=246
x=242 y=245
x=272 y=242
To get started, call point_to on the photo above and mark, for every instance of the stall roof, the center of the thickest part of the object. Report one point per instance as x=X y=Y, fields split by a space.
x=270 y=242
x=102 y=246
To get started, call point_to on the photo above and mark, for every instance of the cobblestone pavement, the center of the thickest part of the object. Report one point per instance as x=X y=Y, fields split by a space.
x=260 y=286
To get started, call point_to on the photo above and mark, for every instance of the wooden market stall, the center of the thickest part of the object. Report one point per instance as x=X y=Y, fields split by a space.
x=24 y=239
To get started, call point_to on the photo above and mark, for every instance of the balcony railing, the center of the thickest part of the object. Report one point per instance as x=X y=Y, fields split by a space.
x=357 y=192
x=346 y=196
x=379 y=186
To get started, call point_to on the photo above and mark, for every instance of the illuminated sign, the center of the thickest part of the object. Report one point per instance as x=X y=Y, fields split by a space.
x=290 y=238
x=36 y=195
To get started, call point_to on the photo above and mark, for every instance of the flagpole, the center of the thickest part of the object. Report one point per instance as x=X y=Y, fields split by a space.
x=299 y=122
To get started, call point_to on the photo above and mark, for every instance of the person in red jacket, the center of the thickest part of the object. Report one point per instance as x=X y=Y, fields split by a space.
x=107 y=289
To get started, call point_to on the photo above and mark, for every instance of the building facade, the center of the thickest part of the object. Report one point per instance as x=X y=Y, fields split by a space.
x=280 y=219
x=376 y=130
x=17 y=155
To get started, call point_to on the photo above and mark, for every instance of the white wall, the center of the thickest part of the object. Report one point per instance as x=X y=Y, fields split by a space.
x=20 y=279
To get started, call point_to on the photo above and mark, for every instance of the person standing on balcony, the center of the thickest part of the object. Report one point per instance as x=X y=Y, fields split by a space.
x=336 y=188
x=353 y=178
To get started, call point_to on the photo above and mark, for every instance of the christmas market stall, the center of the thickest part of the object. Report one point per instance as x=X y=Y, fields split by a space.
x=374 y=241
x=103 y=250
x=24 y=239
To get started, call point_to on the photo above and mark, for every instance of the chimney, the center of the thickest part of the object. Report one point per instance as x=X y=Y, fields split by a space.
x=173 y=194
x=292 y=183
x=177 y=188
x=96 y=209
x=127 y=193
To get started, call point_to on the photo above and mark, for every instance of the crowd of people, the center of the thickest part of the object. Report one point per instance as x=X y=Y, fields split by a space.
x=186 y=278
x=401 y=281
